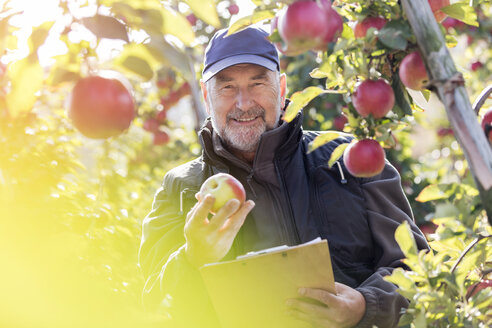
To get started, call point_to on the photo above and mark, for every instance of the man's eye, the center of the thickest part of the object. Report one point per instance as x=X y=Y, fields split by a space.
x=257 y=84
x=228 y=87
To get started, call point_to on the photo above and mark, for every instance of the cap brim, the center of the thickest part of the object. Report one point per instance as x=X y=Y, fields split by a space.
x=239 y=59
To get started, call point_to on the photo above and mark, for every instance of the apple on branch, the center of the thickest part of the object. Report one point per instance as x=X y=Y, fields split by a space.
x=364 y=158
x=373 y=97
x=101 y=107
x=361 y=28
x=223 y=187
x=487 y=125
x=412 y=72
x=307 y=25
x=436 y=6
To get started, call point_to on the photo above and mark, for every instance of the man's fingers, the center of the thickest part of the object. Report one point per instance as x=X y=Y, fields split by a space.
x=224 y=213
x=321 y=295
x=200 y=213
x=236 y=221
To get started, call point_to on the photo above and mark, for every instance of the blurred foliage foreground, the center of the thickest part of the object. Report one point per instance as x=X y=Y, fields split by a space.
x=71 y=223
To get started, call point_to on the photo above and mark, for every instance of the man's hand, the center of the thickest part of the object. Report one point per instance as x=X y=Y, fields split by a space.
x=345 y=309
x=209 y=240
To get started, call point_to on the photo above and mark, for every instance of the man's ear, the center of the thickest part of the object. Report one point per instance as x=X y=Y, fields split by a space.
x=205 y=96
x=283 y=89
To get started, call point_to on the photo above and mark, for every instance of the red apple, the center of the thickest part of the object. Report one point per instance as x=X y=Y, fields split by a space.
x=476 y=66
x=307 y=25
x=223 y=187
x=160 y=137
x=427 y=228
x=192 y=19
x=151 y=125
x=442 y=132
x=451 y=22
x=373 y=97
x=412 y=73
x=487 y=124
x=161 y=116
x=436 y=5
x=339 y=122
x=233 y=9
x=475 y=288
x=364 y=158
x=101 y=107
x=361 y=27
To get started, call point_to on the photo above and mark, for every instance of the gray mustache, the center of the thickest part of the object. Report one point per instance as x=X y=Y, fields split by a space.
x=240 y=114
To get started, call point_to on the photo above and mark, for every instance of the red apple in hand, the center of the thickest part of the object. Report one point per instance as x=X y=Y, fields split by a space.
x=487 y=124
x=101 y=107
x=412 y=71
x=436 y=5
x=223 y=187
x=364 y=158
x=373 y=97
x=361 y=27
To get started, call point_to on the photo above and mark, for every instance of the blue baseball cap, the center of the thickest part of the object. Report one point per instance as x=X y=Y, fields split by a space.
x=249 y=46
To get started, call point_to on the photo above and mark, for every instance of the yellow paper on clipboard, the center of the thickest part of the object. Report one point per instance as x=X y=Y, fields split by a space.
x=251 y=291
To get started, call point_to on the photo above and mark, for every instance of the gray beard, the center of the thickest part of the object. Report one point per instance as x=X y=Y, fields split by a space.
x=243 y=139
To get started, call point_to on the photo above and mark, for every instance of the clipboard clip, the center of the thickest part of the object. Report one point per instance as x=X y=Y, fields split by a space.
x=263 y=251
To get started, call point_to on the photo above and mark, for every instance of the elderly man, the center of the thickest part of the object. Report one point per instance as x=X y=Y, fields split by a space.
x=294 y=197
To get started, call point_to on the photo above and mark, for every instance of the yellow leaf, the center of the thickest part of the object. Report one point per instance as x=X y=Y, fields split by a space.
x=337 y=153
x=26 y=76
x=299 y=100
x=405 y=240
x=244 y=22
x=205 y=10
x=177 y=25
x=323 y=139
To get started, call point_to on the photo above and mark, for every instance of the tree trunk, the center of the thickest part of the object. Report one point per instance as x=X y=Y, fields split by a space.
x=445 y=78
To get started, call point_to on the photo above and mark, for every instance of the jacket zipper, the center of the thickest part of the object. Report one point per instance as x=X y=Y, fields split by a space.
x=291 y=213
x=317 y=211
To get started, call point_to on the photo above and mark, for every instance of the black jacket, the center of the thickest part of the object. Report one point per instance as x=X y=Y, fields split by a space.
x=298 y=198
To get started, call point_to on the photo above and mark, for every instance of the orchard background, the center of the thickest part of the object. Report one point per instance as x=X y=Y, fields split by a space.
x=71 y=207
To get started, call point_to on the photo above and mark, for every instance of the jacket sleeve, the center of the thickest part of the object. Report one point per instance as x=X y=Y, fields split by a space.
x=172 y=285
x=387 y=208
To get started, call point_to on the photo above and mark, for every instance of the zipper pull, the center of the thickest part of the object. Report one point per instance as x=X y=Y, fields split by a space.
x=343 y=180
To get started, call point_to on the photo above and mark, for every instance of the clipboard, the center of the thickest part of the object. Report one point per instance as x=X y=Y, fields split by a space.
x=251 y=290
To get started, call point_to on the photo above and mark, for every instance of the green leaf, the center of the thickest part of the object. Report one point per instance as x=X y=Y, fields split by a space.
x=402 y=107
x=105 y=27
x=323 y=139
x=138 y=66
x=60 y=75
x=140 y=51
x=165 y=52
x=177 y=25
x=244 y=22
x=205 y=10
x=39 y=35
x=395 y=34
x=405 y=240
x=432 y=192
x=451 y=41
x=299 y=100
x=401 y=279
x=463 y=12
x=27 y=78
x=337 y=153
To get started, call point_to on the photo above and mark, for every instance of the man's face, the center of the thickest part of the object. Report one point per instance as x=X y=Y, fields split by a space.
x=244 y=101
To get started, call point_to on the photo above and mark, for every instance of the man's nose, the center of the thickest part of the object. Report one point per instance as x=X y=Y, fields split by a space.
x=244 y=100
